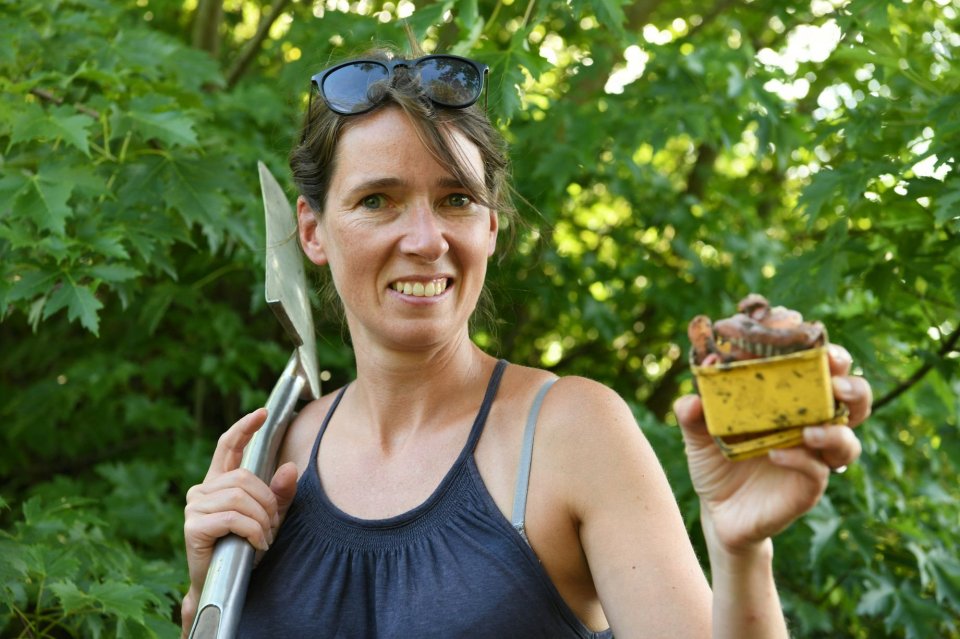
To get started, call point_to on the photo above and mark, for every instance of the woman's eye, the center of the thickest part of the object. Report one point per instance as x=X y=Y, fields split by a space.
x=458 y=200
x=373 y=202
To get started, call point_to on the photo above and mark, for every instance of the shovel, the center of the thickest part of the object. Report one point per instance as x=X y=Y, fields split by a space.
x=224 y=591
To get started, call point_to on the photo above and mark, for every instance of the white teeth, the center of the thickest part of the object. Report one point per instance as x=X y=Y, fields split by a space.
x=419 y=289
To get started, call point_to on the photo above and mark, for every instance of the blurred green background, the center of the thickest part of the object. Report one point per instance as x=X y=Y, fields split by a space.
x=669 y=157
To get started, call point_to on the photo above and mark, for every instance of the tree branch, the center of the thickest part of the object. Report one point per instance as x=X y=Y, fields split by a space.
x=949 y=345
x=252 y=47
x=206 y=26
x=46 y=96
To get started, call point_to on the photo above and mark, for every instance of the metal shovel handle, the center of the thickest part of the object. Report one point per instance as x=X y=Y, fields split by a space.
x=225 y=588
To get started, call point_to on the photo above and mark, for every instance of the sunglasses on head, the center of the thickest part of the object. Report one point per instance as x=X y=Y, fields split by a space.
x=357 y=86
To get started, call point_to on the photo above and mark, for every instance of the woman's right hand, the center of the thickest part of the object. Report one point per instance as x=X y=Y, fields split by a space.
x=232 y=500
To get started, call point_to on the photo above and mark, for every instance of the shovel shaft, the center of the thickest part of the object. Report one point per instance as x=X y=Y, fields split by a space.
x=225 y=587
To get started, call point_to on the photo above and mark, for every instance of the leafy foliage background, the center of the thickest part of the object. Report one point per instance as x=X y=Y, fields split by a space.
x=731 y=159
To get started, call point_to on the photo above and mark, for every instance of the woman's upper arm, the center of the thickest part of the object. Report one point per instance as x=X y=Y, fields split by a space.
x=640 y=557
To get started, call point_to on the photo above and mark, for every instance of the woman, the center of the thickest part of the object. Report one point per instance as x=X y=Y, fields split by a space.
x=412 y=501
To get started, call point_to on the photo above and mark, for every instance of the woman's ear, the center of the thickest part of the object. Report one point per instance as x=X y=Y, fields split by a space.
x=494 y=228
x=311 y=232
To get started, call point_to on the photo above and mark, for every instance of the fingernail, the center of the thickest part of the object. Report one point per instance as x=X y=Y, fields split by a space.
x=814 y=434
x=776 y=454
x=839 y=355
x=842 y=386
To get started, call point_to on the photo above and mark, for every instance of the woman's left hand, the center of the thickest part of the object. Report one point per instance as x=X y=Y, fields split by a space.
x=748 y=501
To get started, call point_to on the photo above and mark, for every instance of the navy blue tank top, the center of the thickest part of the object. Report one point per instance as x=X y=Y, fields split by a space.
x=452 y=567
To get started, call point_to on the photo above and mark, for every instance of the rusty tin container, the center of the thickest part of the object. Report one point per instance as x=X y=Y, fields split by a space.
x=755 y=405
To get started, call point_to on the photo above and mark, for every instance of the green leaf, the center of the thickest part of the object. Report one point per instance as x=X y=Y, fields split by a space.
x=467 y=14
x=72 y=127
x=943 y=569
x=45 y=202
x=156 y=305
x=80 y=303
x=876 y=599
x=193 y=189
x=947 y=204
x=507 y=73
x=33 y=123
x=30 y=123
x=109 y=246
x=84 y=305
x=918 y=616
x=170 y=127
x=113 y=272
x=428 y=16
x=72 y=599
x=30 y=284
x=609 y=13
x=824 y=532
x=823 y=189
x=123 y=600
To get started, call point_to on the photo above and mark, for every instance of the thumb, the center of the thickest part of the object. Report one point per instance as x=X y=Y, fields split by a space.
x=689 y=412
x=284 y=487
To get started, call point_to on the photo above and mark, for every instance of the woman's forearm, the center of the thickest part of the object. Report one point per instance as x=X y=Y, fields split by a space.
x=745 y=599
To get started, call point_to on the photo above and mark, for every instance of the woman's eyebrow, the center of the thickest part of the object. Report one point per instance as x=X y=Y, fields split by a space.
x=450 y=182
x=374 y=184
x=385 y=183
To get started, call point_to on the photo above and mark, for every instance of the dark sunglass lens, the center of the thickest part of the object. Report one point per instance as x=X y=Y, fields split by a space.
x=449 y=81
x=348 y=88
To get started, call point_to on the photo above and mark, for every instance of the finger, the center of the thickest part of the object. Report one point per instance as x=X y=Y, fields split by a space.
x=188 y=609
x=202 y=530
x=856 y=393
x=840 y=359
x=239 y=478
x=689 y=412
x=806 y=462
x=837 y=446
x=229 y=451
x=284 y=487
x=235 y=499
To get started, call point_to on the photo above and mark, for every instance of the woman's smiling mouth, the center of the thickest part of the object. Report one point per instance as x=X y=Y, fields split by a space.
x=421 y=289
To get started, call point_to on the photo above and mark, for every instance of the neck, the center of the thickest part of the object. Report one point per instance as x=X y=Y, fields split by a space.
x=398 y=394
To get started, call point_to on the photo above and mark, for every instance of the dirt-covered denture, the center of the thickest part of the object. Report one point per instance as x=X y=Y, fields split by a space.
x=757 y=330
x=430 y=288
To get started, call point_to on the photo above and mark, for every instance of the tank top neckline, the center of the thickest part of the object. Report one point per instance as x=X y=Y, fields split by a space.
x=436 y=499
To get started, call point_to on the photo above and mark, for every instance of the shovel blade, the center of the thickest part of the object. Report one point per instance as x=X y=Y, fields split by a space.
x=286 y=283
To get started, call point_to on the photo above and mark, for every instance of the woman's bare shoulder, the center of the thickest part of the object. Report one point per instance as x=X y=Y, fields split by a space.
x=579 y=407
x=302 y=432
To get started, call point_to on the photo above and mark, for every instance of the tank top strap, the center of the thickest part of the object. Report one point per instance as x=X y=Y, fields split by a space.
x=518 y=517
x=476 y=430
x=323 y=427
x=492 y=386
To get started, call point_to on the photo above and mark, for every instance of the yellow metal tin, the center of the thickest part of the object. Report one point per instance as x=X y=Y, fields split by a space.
x=754 y=405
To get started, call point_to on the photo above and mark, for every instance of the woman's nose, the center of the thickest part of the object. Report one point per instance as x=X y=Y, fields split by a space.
x=424 y=235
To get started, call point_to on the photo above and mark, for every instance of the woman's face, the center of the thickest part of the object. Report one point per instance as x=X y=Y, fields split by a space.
x=406 y=242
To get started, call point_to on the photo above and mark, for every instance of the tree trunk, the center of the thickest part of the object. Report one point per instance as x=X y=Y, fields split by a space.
x=206 y=26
